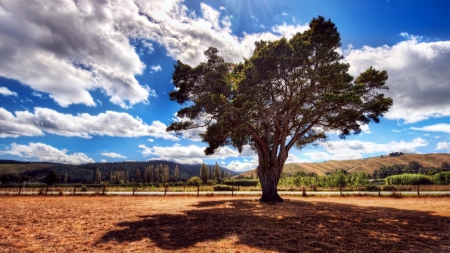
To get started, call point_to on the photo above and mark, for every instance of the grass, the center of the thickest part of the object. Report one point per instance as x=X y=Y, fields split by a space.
x=223 y=224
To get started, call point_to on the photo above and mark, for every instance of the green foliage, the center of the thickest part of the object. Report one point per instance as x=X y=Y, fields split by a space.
x=84 y=188
x=240 y=182
x=442 y=178
x=299 y=88
x=409 y=179
x=52 y=178
x=196 y=181
x=222 y=188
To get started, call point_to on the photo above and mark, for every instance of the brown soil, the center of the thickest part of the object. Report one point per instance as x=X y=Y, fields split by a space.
x=223 y=224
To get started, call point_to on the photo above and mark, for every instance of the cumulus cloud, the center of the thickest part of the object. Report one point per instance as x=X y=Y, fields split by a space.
x=191 y=154
x=84 y=125
x=45 y=153
x=67 y=48
x=418 y=76
x=6 y=92
x=345 y=149
x=443 y=146
x=155 y=68
x=113 y=155
x=443 y=127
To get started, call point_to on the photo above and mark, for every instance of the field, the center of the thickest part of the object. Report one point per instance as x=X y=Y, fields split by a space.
x=223 y=224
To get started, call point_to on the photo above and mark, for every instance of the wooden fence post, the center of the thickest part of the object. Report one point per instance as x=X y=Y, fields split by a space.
x=74 y=189
x=418 y=192
x=134 y=188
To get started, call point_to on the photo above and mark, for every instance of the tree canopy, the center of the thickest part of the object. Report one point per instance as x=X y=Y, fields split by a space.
x=288 y=93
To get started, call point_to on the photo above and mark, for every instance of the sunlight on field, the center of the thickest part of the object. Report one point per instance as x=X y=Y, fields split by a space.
x=223 y=224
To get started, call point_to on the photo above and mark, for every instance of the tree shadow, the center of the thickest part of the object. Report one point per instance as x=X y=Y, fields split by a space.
x=293 y=226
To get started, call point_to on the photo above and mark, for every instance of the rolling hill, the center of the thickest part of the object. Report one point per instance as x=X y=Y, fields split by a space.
x=84 y=173
x=368 y=165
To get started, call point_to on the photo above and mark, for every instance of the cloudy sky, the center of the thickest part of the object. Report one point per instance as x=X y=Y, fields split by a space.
x=88 y=80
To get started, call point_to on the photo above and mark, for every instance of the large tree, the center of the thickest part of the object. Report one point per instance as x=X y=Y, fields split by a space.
x=289 y=93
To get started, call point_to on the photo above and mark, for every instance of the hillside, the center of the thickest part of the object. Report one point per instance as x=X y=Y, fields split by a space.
x=84 y=173
x=11 y=166
x=368 y=165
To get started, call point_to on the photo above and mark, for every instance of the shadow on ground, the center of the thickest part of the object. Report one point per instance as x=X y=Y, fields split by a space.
x=293 y=226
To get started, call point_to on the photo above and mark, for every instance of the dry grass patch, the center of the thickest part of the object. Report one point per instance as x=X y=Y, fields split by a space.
x=223 y=224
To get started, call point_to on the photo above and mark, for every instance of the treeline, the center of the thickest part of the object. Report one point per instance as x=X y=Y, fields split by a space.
x=337 y=179
x=440 y=178
x=118 y=172
x=412 y=167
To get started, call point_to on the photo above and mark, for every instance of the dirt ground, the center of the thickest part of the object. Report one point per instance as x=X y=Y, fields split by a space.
x=223 y=224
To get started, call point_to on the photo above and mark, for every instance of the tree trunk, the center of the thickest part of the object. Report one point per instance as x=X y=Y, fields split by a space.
x=269 y=176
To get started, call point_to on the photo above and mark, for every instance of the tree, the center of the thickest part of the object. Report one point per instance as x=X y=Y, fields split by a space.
x=217 y=173
x=97 y=176
x=288 y=93
x=204 y=173
x=176 y=174
x=137 y=176
x=52 y=178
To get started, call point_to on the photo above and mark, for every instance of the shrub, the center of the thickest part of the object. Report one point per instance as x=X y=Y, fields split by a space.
x=409 y=179
x=241 y=182
x=371 y=188
x=389 y=188
x=84 y=188
x=442 y=178
x=194 y=181
x=222 y=188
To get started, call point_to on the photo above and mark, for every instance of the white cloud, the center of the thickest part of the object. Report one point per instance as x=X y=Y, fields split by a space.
x=345 y=149
x=103 y=161
x=396 y=131
x=6 y=92
x=45 y=153
x=67 y=48
x=294 y=159
x=37 y=94
x=185 y=154
x=150 y=140
x=442 y=127
x=418 y=76
x=443 y=146
x=112 y=155
x=155 y=68
x=240 y=166
x=82 y=125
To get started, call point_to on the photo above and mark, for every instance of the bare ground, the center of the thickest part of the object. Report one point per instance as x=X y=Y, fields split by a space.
x=223 y=224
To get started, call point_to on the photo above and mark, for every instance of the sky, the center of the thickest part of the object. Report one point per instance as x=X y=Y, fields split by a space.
x=88 y=81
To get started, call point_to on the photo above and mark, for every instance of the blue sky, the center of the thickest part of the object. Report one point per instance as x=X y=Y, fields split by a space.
x=87 y=81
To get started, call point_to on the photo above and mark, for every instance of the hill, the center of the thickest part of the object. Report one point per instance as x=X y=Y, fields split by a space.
x=84 y=173
x=12 y=166
x=368 y=165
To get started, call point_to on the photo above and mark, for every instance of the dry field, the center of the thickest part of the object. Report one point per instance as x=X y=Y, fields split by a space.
x=223 y=224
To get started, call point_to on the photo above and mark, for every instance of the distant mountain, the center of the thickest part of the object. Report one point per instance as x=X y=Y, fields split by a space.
x=84 y=173
x=368 y=165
